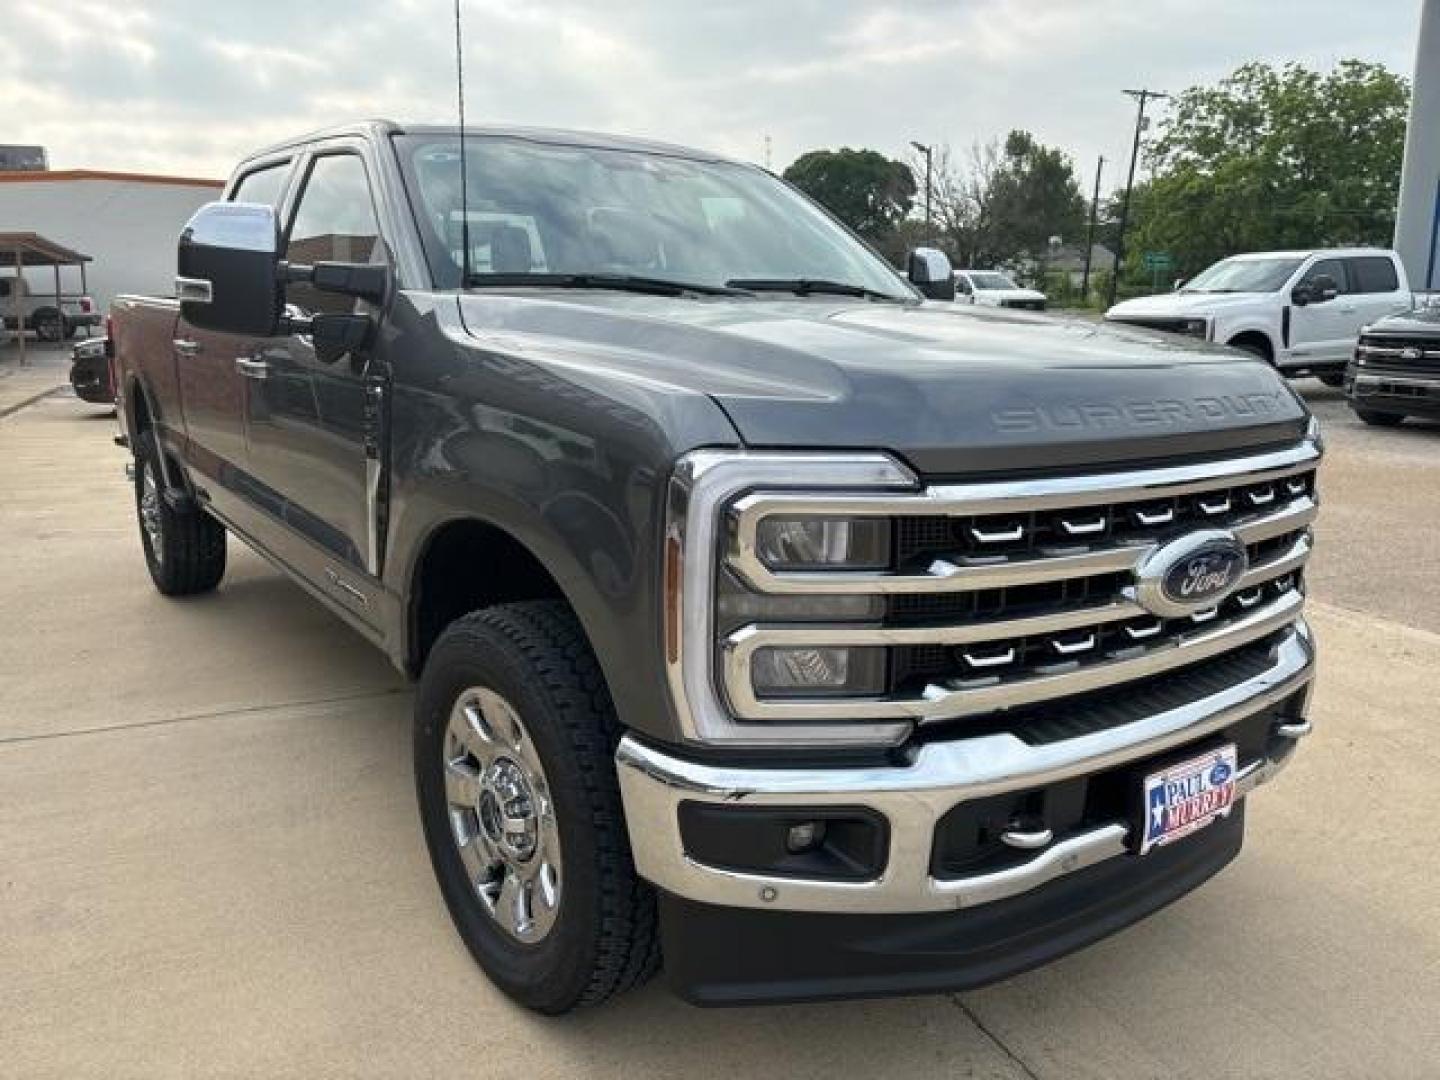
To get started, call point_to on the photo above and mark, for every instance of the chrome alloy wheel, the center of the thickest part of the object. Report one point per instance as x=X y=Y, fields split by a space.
x=150 y=513
x=501 y=817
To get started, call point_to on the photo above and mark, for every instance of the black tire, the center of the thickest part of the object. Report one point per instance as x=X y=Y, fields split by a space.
x=49 y=325
x=188 y=555
x=604 y=938
x=1380 y=419
x=1335 y=379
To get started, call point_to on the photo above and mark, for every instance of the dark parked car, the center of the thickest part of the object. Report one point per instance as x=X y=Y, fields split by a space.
x=766 y=616
x=90 y=371
x=1395 y=371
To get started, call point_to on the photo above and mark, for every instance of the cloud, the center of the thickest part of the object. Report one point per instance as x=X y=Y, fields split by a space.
x=176 y=86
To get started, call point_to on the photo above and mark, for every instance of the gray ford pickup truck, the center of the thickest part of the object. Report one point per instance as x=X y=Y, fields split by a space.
x=770 y=614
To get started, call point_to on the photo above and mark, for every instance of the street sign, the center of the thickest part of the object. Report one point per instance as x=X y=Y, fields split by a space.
x=1158 y=260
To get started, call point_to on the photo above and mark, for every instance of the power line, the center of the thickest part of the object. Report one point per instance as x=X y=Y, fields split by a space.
x=1141 y=97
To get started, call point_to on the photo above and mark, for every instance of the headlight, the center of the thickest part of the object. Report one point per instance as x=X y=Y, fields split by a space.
x=719 y=543
x=821 y=670
x=817 y=543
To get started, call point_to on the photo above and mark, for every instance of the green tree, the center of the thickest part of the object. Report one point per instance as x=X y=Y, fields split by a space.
x=1273 y=158
x=1002 y=205
x=1035 y=196
x=863 y=188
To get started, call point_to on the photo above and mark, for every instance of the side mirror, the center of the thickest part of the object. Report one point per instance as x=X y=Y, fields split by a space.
x=930 y=272
x=1179 y=284
x=228 y=269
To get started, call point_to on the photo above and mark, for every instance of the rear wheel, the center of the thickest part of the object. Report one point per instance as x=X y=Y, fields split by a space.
x=514 y=770
x=49 y=325
x=1380 y=419
x=184 y=549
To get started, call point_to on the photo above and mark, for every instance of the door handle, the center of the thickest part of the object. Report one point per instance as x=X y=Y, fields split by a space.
x=185 y=347
x=1348 y=310
x=252 y=367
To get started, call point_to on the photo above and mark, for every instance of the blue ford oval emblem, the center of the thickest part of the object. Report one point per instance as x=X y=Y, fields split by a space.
x=1206 y=576
x=1191 y=573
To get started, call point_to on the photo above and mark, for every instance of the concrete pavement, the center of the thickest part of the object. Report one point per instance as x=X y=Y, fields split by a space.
x=210 y=862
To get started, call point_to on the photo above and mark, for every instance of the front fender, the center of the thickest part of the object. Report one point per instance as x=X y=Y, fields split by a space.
x=573 y=464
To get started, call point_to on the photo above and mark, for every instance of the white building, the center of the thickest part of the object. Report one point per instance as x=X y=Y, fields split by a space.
x=127 y=222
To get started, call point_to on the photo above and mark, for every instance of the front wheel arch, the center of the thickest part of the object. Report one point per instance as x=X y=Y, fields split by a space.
x=1256 y=343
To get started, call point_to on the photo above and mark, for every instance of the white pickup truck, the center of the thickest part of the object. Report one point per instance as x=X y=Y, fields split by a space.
x=1300 y=310
x=52 y=318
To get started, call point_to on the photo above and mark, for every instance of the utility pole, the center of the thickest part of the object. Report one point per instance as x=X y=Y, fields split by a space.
x=1090 y=233
x=929 y=229
x=1141 y=97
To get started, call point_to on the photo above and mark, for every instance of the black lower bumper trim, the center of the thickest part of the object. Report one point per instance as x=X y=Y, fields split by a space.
x=733 y=956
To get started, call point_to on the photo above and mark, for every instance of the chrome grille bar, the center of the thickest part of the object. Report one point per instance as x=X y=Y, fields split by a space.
x=941 y=702
x=960 y=576
x=746 y=640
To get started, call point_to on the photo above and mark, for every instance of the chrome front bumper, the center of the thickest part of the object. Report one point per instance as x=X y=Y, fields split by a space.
x=914 y=797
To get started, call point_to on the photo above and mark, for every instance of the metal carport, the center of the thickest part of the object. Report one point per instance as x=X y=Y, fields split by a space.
x=22 y=249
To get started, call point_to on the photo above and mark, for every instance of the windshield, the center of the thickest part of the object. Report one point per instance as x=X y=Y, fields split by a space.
x=991 y=280
x=542 y=209
x=1244 y=275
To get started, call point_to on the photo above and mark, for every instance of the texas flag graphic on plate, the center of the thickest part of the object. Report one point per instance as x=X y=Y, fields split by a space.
x=1187 y=796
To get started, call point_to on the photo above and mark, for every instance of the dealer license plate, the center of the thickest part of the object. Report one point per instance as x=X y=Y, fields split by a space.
x=1185 y=797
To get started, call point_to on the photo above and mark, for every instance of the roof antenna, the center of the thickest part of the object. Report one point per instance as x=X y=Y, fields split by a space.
x=464 y=180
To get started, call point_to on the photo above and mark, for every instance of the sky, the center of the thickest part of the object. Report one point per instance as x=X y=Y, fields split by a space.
x=189 y=86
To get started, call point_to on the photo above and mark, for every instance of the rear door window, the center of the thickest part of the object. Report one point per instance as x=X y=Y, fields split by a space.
x=1372 y=274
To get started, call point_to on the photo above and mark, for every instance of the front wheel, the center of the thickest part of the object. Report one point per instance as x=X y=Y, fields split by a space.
x=515 y=738
x=1380 y=419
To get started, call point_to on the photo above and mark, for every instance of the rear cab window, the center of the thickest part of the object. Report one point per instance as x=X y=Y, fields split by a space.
x=1372 y=274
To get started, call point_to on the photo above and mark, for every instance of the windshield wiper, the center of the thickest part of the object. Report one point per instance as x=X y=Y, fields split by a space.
x=807 y=286
x=621 y=282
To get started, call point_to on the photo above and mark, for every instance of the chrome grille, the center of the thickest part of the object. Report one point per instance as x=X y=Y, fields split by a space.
x=1399 y=355
x=1007 y=594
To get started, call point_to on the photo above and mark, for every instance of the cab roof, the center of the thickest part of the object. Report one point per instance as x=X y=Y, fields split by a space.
x=379 y=129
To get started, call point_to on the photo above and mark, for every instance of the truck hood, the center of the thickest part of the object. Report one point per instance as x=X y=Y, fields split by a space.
x=1423 y=322
x=1179 y=304
x=952 y=389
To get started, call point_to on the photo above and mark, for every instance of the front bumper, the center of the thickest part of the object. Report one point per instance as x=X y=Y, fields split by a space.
x=740 y=956
x=91 y=380
x=909 y=929
x=1390 y=393
x=915 y=796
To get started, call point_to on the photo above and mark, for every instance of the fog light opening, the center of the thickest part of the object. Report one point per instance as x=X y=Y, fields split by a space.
x=805 y=836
